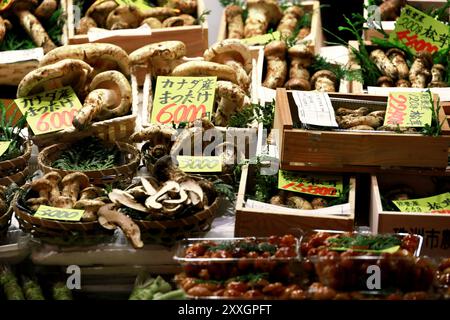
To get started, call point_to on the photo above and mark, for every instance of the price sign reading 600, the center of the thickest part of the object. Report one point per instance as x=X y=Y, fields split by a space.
x=183 y=99
x=50 y=111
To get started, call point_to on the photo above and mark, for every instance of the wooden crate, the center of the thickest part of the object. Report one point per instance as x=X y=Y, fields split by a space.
x=435 y=228
x=358 y=87
x=315 y=37
x=261 y=222
x=195 y=37
x=388 y=26
x=15 y=64
x=349 y=151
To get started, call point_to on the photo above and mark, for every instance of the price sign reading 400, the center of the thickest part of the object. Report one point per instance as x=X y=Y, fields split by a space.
x=50 y=111
x=419 y=31
x=183 y=99
x=319 y=185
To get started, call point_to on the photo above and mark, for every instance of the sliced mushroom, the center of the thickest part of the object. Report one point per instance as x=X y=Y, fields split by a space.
x=193 y=190
x=183 y=198
x=118 y=196
x=60 y=74
x=109 y=97
x=109 y=217
x=149 y=189
x=169 y=186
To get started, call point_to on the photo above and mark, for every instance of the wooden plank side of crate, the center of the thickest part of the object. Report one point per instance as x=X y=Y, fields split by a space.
x=195 y=37
x=258 y=222
x=435 y=228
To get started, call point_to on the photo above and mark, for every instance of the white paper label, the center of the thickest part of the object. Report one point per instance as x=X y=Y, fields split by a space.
x=339 y=210
x=314 y=108
x=95 y=34
x=14 y=56
x=444 y=93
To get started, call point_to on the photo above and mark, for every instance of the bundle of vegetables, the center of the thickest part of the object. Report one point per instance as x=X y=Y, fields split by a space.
x=41 y=25
x=111 y=15
x=97 y=72
x=306 y=71
x=148 y=288
x=258 y=17
x=229 y=60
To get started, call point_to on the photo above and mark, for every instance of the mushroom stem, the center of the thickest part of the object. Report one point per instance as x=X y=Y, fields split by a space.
x=397 y=58
x=324 y=81
x=383 y=63
x=94 y=103
x=235 y=24
x=275 y=53
x=46 y=9
x=35 y=30
x=419 y=72
x=260 y=14
x=289 y=20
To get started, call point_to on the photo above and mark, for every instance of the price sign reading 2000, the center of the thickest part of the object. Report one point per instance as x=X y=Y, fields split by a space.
x=182 y=99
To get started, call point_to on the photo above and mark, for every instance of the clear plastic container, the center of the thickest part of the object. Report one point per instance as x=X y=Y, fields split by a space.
x=223 y=258
x=358 y=268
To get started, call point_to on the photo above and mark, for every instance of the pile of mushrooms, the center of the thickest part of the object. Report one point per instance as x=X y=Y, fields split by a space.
x=293 y=200
x=300 y=58
x=74 y=191
x=229 y=60
x=160 y=140
x=108 y=14
x=261 y=15
x=30 y=14
x=396 y=73
x=96 y=71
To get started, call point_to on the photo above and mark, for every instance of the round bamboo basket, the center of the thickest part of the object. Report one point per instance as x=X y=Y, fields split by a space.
x=122 y=173
x=15 y=170
x=55 y=231
x=169 y=231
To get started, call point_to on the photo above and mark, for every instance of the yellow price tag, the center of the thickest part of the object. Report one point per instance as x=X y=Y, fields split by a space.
x=318 y=185
x=50 y=111
x=262 y=39
x=4 y=145
x=435 y=204
x=183 y=99
x=200 y=164
x=408 y=109
x=53 y=213
x=419 y=31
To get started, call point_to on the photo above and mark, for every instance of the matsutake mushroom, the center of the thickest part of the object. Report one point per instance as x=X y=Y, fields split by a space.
x=301 y=58
x=275 y=54
x=109 y=97
x=420 y=70
x=90 y=207
x=179 y=21
x=73 y=183
x=261 y=13
x=152 y=23
x=383 y=63
x=437 y=76
x=43 y=187
x=185 y=6
x=398 y=60
x=289 y=20
x=46 y=9
x=232 y=99
x=235 y=24
x=324 y=81
x=66 y=72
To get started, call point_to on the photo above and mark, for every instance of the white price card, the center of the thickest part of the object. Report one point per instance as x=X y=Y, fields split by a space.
x=314 y=108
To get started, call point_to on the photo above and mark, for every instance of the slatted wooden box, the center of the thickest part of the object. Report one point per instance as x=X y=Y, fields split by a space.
x=264 y=222
x=315 y=38
x=435 y=227
x=195 y=37
x=15 y=64
x=350 y=151
x=388 y=26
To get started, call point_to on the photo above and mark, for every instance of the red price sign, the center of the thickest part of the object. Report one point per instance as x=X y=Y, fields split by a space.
x=310 y=189
x=182 y=99
x=319 y=185
x=50 y=111
x=411 y=40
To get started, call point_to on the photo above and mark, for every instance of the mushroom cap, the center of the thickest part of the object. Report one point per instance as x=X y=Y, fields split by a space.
x=53 y=176
x=152 y=22
x=76 y=177
x=425 y=57
x=323 y=73
x=148 y=187
x=116 y=81
x=396 y=51
x=439 y=67
x=92 y=192
x=294 y=10
x=88 y=203
x=179 y=21
x=385 y=79
x=41 y=185
x=123 y=17
x=62 y=73
x=99 y=11
x=233 y=10
x=271 y=8
x=300 y=51
x=206 y=68
x=276 y=48
x=298 y=84
x=232 y=92
x=233 y=49
x=403 y=83
x=168 y=50
x=97 y=55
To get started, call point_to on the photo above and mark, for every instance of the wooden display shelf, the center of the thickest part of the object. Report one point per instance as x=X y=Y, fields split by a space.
x=388 y=26
x=264 y=222
x=315 y=38
x=195 y=37
x=350 y=151
x=435 y=228
x=15 y=64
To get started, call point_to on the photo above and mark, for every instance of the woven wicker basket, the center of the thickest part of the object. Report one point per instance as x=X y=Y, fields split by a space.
x=169 y=231
x=15 y=170
x=5 y=221
x=117 y=129
x=54 y=231
x=123 y=173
